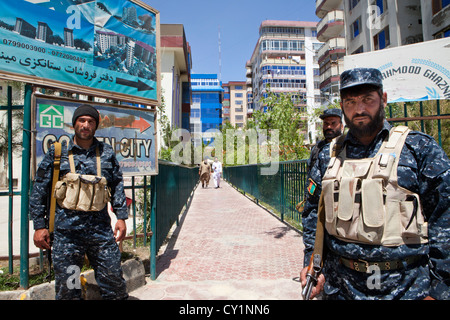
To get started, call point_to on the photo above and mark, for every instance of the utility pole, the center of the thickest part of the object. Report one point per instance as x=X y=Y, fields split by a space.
x=220 y=58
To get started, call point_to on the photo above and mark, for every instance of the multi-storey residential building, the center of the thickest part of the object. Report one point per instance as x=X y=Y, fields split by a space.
x=176 y=66
x=234 y=105
x=68 y=38
x=331 y=31
x=206 y=108
x=357 y=26
x=285 y=61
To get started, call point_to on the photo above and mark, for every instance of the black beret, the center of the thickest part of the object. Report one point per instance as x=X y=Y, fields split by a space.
x=331 y=113
x=86 y=110
x=359 y=76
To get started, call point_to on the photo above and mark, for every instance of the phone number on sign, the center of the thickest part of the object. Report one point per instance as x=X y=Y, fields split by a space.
x=32 y=47
x=67 y=56
x=23 y=45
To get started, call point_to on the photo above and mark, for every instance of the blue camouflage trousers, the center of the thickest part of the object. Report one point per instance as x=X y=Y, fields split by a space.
x=68 y=253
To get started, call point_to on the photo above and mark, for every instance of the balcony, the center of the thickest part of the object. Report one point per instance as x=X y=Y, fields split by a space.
x=332 y=45
x=331 y=74
x=325 y=6
x=330 y=26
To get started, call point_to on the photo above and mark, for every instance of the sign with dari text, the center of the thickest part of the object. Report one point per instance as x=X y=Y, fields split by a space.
x=104 y=48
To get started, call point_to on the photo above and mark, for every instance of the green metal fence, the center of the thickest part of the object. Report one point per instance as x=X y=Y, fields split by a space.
x=174 y=187
x=281 y=191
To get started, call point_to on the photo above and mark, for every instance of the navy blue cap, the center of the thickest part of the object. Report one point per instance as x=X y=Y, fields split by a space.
x=359 y=76
x=331 y=113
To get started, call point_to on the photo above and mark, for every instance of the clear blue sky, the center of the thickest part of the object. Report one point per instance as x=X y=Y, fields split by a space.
x=239 y=22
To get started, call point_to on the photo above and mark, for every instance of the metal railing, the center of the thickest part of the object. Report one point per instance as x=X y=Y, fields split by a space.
x=281 y=191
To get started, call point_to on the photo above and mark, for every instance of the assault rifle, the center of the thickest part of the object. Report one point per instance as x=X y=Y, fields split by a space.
x=51 y=224
x=315 y=265
x=312 y=274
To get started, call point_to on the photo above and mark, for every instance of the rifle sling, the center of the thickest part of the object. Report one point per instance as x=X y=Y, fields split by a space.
x=56 y=164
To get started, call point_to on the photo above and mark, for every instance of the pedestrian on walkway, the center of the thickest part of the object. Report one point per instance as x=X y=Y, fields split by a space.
x=386 y=205
x=217 y=169
x=204 y=173
x=82 y=224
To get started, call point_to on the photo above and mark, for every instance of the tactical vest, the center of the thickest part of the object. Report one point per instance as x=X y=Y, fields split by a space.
x=82 y=192
x=364 y=203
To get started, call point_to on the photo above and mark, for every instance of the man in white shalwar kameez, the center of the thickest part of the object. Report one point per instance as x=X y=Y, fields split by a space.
x=217 y=169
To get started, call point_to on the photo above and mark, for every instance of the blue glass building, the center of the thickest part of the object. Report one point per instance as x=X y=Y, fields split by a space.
x=206 y=109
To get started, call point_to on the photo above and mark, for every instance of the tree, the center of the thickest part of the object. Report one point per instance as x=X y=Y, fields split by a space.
x=282 y=115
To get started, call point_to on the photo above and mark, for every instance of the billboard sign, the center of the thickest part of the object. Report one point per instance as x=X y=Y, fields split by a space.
x=131 y=132
x=99 y=47
x=414 y=72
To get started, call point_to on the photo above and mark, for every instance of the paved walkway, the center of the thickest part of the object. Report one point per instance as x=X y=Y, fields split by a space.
x=227 y=247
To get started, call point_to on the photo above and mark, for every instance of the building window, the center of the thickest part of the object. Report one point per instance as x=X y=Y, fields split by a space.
x=355 y=28
x=238 y=87
x=359 y=50
x=381 y=40
x=195 y=113
x=282 y=45
x=239 y=118
x=238 y=95
x=443 y=34
x=382 y=5
x=352 y=3
x=438 y=5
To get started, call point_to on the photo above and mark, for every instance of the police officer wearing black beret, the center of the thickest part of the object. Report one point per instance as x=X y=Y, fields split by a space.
x=386 y=205
x=332 y=128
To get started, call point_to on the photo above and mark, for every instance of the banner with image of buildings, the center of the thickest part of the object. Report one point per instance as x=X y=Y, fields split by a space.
x=109 y=46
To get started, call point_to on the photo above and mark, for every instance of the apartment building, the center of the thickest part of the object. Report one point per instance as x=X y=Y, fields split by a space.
x=285 y=61
x=234 y=104
x=354 y=26
x=331 y=31
x=206 y=108
x=176 y=63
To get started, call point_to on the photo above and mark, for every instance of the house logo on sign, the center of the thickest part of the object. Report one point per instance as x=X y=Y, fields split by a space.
x=51 y=116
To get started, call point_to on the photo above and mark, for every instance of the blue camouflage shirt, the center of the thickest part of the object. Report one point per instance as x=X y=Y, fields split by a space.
x=424 y=169
x=85 y=163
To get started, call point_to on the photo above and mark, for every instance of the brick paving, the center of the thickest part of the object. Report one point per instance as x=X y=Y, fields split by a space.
x=227 y=247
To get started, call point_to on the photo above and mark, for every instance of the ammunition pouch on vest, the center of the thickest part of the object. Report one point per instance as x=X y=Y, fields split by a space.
x=364 y=203
x=82 y=192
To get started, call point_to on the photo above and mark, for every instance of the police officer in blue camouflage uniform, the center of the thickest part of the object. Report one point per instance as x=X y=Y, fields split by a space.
x=79 y=232
x=332 y=127
x=357 y=270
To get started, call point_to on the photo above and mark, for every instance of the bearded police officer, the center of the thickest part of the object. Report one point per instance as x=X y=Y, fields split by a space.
x=386 y=199
x=89 y=177
x=332 y=127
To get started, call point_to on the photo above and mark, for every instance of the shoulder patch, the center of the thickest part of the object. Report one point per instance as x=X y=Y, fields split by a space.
x=311 y=186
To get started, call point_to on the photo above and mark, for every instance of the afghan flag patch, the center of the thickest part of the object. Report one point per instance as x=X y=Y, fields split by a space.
x=311 y=186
